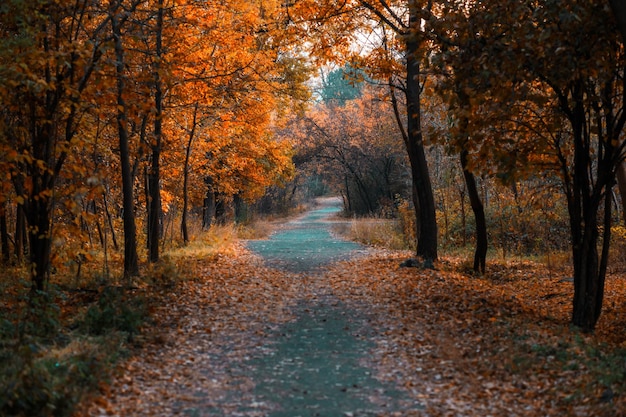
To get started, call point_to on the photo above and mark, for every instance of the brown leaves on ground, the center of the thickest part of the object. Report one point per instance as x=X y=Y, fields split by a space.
x=216 y=315
x=497 y=345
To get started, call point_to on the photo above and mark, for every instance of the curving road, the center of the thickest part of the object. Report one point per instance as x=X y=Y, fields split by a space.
x=317 y=364
x=306 y=244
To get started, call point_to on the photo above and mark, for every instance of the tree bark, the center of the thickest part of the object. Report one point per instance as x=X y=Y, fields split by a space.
x=183 y=223
x=20 y=233
x=480 y=254
x=482 y=243
x=619 y=12
x=208 y=210
x=109 y=220
x=154 y=178
x=220 y=209
x=584 y=199
x=423 y=198
x=463 y=215
x=425 y=210
x=131 y=267
x=37 y=198
x=4 y=235
x=4 y=238
x=621 y=185
x=94 y=209
x=40 y=240
x=348 y=198
x=241 y=209
x=50 y=120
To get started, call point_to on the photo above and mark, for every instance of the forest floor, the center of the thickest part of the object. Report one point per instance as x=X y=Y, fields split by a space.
x=361 y=336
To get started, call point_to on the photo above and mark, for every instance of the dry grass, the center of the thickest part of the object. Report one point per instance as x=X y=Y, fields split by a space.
x=259 y=229
x=388 y=234
x=381 y=233
x=217 y=240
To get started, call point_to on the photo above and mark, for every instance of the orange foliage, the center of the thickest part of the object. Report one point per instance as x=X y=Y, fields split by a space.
x=227 y=60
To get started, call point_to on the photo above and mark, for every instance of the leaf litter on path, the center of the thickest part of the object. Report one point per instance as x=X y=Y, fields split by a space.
x=497 y=345
x=452 y=344
x=364 y=337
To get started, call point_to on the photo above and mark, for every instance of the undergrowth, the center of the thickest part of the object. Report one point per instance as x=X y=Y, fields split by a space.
x=58 y=346
x=385 y=233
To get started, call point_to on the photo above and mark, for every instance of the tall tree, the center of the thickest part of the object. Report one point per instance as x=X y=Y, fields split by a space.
x=619 y=12
x=456 y=39
x=191 y=131
x=553 y=73
x=131 y=266
x=233 y=79
x=51 y=51
x=341 y=85
x=154 y=176
x=338 y=23
x=585 y=73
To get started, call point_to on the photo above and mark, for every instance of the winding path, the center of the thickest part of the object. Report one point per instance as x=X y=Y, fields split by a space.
x=261 y=334
x=282 y=330
x=318 y=362
x=306 y=244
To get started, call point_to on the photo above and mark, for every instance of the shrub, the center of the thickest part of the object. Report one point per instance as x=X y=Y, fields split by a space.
x=38 y=383
x=116 y=309
x=41 y=315
x=377 y=232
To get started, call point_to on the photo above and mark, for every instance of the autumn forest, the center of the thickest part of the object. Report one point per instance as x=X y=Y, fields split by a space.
x=143 y=142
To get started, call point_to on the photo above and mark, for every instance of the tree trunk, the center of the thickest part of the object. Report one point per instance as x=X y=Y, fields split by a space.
x=588 y=278
x=20 y=233
x=155 y=171
x=109 y=220
x=131 y=266
x=348 y=199
x=208 y=210
x=220 y=209
x=425 y=210
x=37 y=205
x=463 y=216
x=38 y=215
x=154 y=207
x=462 y=137
x=4 y=235
x=619 y=11
x=94 y=209
x=146 y=194
x=183 y=223
x=480 y=254
x=241 y=209
x=584 y=200
x=621 y=185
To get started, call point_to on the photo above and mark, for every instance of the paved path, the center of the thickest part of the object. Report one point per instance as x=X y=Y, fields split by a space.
x=306 y=244
x=317 y=365
x=246 y=339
